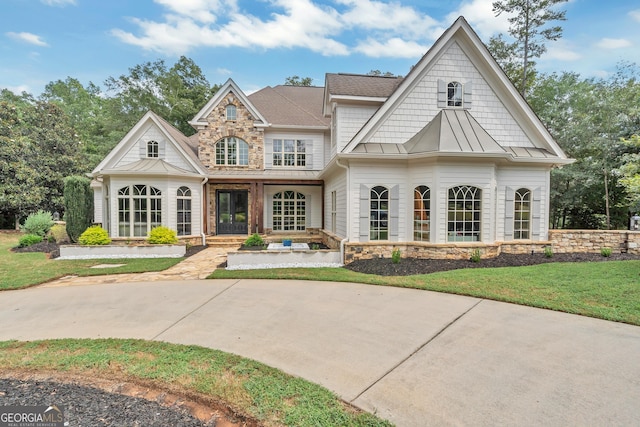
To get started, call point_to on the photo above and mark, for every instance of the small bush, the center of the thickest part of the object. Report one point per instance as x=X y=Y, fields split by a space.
x=94 y=235
x=548 y=251
x=476 y=255
x=38 y=223
x=162 y=236
x=28 y=240
x=254 y=240
x=396 y=255
x=605 y=252
x=58 y=233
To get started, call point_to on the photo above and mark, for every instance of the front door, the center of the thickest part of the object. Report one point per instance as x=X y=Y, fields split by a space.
x=232 y=215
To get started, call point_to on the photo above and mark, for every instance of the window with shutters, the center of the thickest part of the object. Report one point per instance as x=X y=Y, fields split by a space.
x=464 y=213
x=454 y=94
x=379 y=213
x=153 y=149
x=522 y=214
x=289 y=153
x=421 y=213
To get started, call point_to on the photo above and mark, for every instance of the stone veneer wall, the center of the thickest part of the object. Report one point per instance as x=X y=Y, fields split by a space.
x=219 y=127
x=564 y=241
x=561 y=241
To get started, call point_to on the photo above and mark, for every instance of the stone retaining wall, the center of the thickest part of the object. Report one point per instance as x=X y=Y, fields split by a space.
x=561 y=241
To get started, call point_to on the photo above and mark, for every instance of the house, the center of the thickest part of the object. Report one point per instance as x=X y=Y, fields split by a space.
x=449 y=158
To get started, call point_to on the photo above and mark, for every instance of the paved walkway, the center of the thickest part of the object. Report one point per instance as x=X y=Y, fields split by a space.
x=197 y=266
x=414 y=357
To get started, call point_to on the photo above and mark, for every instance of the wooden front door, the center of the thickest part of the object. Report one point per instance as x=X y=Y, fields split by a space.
x=232 y=215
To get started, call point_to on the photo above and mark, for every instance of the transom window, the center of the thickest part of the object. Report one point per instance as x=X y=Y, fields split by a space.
x=454 y=94
x=463 y=214
x=232 y=151
x=522 y=214
x=421 y=213
x=289 y=152
x=183 y=224
x=153 y=149
x=139 y=210
x=289 y=211
x=231 y=112
x=379 y=213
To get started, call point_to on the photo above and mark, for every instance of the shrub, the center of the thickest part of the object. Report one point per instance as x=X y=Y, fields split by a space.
x=548 y=251
x=162 y=236
x=605 y=252
x=254 y=240
x=28 y=240
x=58 y=233
x=38 y=223
x=94 y=235
x=396 y=255
x=476 y=255
x=78 y=204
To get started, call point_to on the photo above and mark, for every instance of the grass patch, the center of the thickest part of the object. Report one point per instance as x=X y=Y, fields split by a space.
x=254 y=389
x=20 y=270
x=605 y=290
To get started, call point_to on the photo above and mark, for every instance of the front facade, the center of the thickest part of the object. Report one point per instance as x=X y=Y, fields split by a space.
x=451 y=154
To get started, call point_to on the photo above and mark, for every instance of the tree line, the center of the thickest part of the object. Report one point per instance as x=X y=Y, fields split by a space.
x=70 y=127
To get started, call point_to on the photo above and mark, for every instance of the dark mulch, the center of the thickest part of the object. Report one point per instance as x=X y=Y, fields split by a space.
x=88 y=406
x=411 y=266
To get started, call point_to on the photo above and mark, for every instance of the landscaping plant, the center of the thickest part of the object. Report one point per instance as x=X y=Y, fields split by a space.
x=28 y=240
x=38 y=223
x=59 y=233
x=254 y=240
x=548 y=251
x=94 y=235
x=78 y=204
x=605 y=252
x=396 y=255
x=476 y=255
x=162 y=236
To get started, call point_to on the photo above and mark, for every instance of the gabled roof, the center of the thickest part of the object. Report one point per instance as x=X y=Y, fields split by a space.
x=357 y=87
x=291 y=106
x=183 y=144
x=230 y=86
x=464 y=35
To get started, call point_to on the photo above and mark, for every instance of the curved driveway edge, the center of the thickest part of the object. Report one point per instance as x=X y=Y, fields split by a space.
x=414 y=357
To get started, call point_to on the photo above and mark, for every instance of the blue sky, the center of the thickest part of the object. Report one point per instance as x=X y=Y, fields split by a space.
x=261 y=42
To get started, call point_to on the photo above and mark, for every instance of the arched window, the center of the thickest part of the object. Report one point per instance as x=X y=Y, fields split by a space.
x=153 y=149
x=183 y=224
x=232 y=151
x=289 y=211
x=139 y=210
x=421 y=213
x=522 y=214
x=464 y=213
x=379 y=213
x=454 y=94
x=231 y=112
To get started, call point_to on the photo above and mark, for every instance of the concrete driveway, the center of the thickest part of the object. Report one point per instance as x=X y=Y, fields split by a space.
x=413 y=357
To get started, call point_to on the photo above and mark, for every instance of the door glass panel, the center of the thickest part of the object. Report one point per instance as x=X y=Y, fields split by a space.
x=224 y=208
x=240 y=205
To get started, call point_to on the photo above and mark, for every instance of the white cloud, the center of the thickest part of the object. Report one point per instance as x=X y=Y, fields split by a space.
x=480 y=15
x=560 y=52
x=224 y=71
x=58 y=2
x=17 y=89
x=201 y=10
x=607 y=43
x=392 y=48
x=635 y=14
x=27 y=38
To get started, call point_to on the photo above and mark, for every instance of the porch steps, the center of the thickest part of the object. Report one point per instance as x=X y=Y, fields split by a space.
x=229 y=241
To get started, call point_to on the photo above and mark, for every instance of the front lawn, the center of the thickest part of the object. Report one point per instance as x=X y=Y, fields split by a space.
x=607 y=290
x=249 y=387
x=20 y=270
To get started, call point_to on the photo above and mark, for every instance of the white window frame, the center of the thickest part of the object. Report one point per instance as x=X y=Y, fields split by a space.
x=421 y=213
x=455 y=94
x=139 y=210
x=153 y=149
x=184 y=213
x=522 y=214
x=379 y=213
x=289 y=211
x=232 y=151
x=231 y=112
x=464 y=214
x=289 y=153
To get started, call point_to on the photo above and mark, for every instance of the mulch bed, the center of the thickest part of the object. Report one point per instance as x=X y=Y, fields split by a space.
x=411 y=266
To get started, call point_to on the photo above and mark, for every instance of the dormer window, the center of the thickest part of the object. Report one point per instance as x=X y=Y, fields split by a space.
x=153 y=149
x=454 y=94
x=231 y=112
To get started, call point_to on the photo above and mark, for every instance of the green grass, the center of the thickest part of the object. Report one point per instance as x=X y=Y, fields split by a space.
x=607 y=290
x=251 y=388
x=20 y=270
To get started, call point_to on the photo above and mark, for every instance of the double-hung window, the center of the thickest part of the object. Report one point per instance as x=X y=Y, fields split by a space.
x=289 y=153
